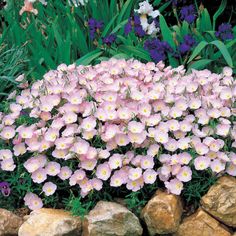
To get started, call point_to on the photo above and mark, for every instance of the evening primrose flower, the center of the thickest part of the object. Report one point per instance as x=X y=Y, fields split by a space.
x=135 y=173
x=174 y=186
x=49 y=188
x=103 y=171
x=185 y=174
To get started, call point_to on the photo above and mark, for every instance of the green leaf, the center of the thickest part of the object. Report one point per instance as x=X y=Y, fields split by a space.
x=224 y=51
x=125 y=9
x=164 y=6
x=197 y=50
x=134 y=51
x=109 y=26
x=205 y=21
x=88 y=58
x=219 y=12
x=119 y=26
x=166 y=32
x=200 y=64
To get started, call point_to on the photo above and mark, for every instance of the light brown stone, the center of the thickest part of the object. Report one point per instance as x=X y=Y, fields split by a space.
x=220 y=201
x=201 y=224
x=9 y=223
x=111 y=219
x=51 y=222
x=162 y=214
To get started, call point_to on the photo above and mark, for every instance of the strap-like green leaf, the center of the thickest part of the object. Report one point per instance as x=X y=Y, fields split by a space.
x=166 y=32
x=224 y=51
x=88 y=58
x=219 y=12
x=197 y=50
x=200 y=64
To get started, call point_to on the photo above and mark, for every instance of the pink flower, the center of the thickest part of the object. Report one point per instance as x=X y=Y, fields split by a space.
x=145 y=109
x=19 y=149
x=103 y=171
x=96 y=184
x=161 y=137
x=184 y=158
x=8 y=164
x=201 y=163
x=217 y=165
x=149 y=176
x=222 y=129
x=115 y=161
x=122 y=139
x=39 y=176
x=51 y=135
x=8 y=132
x=231 y=169
x=88 y=123
x=88 y=164
x=116 y=180
x=103 y=154
x=5 y=154
x=81 y=147
x=135 y=173
x=65 y=173
x=153 y=150
x=147 y=162
x=33 y=201
x=26 y=132
x=174 y=186
x=69 y=117
x=135 y=127
x=124 y=113
x=201 y=149
x=49 y=188
x=135 y=185
x=137 y=137
x=185 y=174
x=226 y=94
x=28 y=7
x=53 y=168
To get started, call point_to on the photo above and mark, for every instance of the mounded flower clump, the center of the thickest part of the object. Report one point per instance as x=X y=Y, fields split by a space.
x=121 y=122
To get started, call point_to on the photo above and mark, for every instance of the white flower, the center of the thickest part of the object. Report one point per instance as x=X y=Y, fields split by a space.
x=144 y=22
x=154 y=14
x=152 y=29
x=145 y=8
x=77 y=3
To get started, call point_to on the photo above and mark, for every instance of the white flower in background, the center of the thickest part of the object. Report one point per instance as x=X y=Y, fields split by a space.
x=77 y=3
x=145 y=10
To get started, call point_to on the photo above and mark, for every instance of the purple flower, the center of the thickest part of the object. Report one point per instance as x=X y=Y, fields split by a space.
x=176 y=2
x=157 y=49
x=187 y=44
x=138 y=29
x=5 y=188
x=109 y=39
x=128 y=26
x=188 y=13
x=94 y=27
x=225 y=32
x=136 y=24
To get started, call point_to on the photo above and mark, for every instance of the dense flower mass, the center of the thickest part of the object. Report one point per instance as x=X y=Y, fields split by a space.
x=109 y=39
x=188 y=13
x=157 y=49
x=224 y=32
x=124 y=123
x=94 y=27
x=188 y=43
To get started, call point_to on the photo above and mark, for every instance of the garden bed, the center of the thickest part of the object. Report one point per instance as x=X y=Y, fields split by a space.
x=117 y=113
